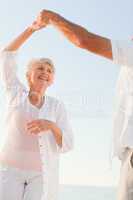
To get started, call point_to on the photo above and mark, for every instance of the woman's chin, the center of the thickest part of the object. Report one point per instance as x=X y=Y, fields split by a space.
x=41 y=84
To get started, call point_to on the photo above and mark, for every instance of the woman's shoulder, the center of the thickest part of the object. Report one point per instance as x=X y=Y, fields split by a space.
x=53 y=100
x=55 y=105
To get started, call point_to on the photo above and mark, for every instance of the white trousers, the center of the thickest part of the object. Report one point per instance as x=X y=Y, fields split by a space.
x=16 y=184
x=125 y=191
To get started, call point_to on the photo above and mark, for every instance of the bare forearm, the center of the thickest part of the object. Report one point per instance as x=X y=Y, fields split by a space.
x=19 y=41
x=81 y=37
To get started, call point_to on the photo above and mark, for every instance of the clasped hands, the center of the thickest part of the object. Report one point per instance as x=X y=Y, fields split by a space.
x=43 y=19
x=41 y=125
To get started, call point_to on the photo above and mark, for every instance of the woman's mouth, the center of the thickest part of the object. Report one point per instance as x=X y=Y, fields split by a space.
x=43 y=78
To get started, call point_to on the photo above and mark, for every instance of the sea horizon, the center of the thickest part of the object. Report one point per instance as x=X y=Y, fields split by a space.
x=87 y=192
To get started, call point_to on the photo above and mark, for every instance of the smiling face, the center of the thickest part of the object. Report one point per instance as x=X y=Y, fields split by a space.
x=40 y=74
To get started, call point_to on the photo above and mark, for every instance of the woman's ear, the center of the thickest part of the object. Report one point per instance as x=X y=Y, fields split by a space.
x=27 y=75
x=52 y=81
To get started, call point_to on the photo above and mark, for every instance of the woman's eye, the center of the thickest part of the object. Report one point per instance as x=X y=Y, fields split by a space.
x=42 y=69
x=49 y=71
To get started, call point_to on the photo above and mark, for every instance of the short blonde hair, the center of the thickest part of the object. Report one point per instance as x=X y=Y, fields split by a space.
x=40 y=61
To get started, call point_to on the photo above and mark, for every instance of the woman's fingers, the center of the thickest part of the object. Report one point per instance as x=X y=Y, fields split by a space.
x=37 y=126
x=34 y=129
x=42 y=21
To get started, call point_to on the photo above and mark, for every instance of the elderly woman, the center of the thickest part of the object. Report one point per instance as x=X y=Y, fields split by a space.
x=37 y=128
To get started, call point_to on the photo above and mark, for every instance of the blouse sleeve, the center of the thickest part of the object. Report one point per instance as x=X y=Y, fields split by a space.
x=8 y=76
x=64 y=124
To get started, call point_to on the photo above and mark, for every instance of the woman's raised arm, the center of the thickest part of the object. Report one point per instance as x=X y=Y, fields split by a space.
x=19 y=41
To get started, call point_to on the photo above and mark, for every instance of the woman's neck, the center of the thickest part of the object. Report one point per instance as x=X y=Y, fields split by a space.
x=36 y=98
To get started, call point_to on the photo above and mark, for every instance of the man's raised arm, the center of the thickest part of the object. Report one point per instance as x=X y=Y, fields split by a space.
x=79 y=35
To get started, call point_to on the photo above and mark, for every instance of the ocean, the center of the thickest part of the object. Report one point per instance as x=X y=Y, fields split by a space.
x=86 y=193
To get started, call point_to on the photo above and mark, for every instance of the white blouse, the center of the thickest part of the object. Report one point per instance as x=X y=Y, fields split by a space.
x=22 y=149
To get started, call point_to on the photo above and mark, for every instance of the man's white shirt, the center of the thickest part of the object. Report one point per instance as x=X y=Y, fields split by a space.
x=123 y=123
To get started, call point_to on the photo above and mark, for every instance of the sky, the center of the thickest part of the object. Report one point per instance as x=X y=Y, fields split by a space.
x=85 y=82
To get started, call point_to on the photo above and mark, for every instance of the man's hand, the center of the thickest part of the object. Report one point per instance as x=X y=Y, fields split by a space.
x=36 y=126
x=46 y=17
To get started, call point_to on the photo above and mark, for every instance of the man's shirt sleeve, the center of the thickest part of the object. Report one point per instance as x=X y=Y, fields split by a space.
x=122 y=52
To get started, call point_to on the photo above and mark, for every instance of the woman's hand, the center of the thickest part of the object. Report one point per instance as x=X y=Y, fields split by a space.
x=38 y=23
x=35 y=26
x=36 y=126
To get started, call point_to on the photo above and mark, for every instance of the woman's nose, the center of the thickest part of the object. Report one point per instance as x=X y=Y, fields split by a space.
x=44 y=72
